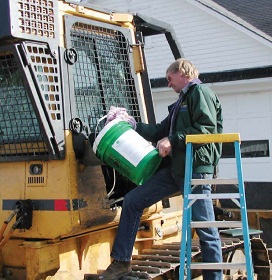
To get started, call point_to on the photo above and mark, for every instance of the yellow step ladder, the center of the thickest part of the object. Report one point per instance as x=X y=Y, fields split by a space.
x=186 y=265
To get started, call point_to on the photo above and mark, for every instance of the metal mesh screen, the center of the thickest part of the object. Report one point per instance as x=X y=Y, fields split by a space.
x=35 y=20
x=102 y=75
x=46 y=71
x=20 y=134
x=36 y=17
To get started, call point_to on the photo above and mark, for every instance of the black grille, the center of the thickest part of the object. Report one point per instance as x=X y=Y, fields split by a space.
x=102 y=75
x=19 y=129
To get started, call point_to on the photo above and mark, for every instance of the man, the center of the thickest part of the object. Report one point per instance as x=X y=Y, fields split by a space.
x=197 y=111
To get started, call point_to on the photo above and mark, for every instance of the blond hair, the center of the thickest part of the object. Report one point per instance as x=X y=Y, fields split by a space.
x=184 y=66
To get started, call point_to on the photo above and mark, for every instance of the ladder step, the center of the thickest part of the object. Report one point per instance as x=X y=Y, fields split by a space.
x=218 y=224
x=196 y=265
x=195 y=182
x=213 y=138
x=214 y=196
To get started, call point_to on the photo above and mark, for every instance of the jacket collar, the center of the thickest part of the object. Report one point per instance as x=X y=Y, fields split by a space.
x=195 y=81
x=184 y=91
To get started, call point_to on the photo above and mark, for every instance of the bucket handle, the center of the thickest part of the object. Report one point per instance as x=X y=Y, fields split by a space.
x=114 y=175
x=98 y=122
x=95 y=130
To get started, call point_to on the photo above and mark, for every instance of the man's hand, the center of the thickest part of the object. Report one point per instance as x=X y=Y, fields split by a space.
x=120 y=113
x=164 y=147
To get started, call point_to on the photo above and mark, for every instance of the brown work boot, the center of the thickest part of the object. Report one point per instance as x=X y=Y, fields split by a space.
x=115 y=270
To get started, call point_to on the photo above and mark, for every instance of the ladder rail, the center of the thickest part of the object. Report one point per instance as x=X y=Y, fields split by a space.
x=247 y=246
x=189 y=198
x=185 y=216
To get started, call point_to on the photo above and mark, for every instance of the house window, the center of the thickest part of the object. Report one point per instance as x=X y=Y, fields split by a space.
x=249 y=149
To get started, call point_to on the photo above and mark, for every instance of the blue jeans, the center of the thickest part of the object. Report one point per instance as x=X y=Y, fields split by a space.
x=161 y=185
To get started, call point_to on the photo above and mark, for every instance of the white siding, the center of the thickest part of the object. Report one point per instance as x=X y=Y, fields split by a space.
x=247 y=110
x=211 y=43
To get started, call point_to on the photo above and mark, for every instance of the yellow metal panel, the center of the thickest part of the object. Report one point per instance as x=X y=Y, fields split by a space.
x=213 y=138
x=41 y=259
x=138 y=58
x=122 y=17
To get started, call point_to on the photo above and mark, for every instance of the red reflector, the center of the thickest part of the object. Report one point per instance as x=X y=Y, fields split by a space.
x=61 y=205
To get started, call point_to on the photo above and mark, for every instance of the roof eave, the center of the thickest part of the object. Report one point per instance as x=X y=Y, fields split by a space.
x=229 y=17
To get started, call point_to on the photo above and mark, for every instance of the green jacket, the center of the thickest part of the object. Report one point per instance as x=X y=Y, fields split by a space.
x=199 y=112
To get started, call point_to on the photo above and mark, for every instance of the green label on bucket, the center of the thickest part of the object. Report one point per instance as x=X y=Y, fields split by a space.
x=135 y=149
